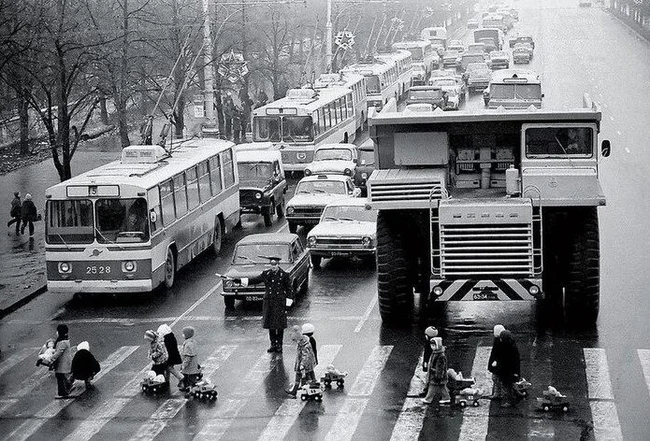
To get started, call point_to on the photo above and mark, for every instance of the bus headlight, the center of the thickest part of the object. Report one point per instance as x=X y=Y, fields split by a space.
x=366 y=241
x=307 y=172
x=129 y=266
x=65 y=268
x=289 y=210
x=258 y=195
x=311 y=241
x=347 y=172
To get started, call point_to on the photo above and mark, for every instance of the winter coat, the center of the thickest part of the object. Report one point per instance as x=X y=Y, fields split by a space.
x=495 y=355
x=158 y=352
x=190 y=360
x=305 y=360
x=277 y=289
x=171 y=344
x=312 y=342
x=509 y=363
x=62 y=358
x=437 y=367
x=84 y=365
x=16 y=207
x=28 y=211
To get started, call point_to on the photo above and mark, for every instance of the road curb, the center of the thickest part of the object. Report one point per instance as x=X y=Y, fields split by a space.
x=631 y=28
x=23 y=301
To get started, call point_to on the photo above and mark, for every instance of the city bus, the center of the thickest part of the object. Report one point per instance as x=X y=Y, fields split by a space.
x=130 y=225
x=357 y=83
x=303 y=120
x=382 y=79
x=421 y=52
x=404 y=61
x=437 y=35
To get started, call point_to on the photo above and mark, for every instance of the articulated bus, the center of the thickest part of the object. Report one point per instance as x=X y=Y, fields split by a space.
x=403 y=60
x=382 y=80
x=130 y=225
x=303 y=120
x=357 y=83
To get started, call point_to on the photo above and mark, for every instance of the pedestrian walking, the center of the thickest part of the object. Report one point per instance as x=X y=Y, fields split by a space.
x=62 y=361
x=228 y=109
x=429 y=333
x=84 y=364
x=15 y=212
x=173 y=356
x=278 y=296
x=437 y=375
x=190 y=369
x=493 y=363
x=236 y=124
x=305 y=361
x=308 y=330
x=28 y=214
x=157 y=353
x=509 y=367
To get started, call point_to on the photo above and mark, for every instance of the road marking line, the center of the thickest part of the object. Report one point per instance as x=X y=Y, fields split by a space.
x=25 y=388
x=283 y=227
x=29 y=427
x=475 y=419
x=541 y=427
x=411 y=417
x=601 y=398
x=168 y=410
x=367 y=379
x=16 y=358
x=366 y=314
x=644 y=358
x=196 y=304
x=219 y=422
x=287 y=414
x=347 y=419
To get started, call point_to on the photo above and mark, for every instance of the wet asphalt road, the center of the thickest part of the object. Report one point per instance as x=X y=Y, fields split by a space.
x=601 y=370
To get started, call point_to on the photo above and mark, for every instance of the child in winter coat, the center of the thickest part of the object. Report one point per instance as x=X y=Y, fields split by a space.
x=190 y=369
x=46 y=353
x=493 y=363
x=429 y=333
x=84 y=364
x=174 y=357
x=437 y=375
x=62 y=361
x=305 y=361
x=157 y=353
x=308 y=330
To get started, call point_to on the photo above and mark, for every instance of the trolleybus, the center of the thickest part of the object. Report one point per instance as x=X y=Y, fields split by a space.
x=382 y=79
x=357 y=83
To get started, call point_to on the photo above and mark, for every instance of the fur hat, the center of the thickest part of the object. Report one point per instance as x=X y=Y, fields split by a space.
x=149 y=335
x=498 y=329
x=308 y=328
x=431 y=332
x=28 y=197
x=17 y=194
x=150 y=375
x=83 y=345
x=62 y=330
x=188 y=332
x=436 y=343
x=164 y=329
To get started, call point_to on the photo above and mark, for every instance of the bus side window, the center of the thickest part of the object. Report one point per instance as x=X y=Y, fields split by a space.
x=180 y=196
x=228 y=169
x=204 y=181
x=167 y=202
x=192 y=188
x=153 y=199
x=215 y=175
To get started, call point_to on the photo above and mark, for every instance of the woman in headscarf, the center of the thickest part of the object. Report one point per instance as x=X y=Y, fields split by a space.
x=509 y=367
x=173 y=356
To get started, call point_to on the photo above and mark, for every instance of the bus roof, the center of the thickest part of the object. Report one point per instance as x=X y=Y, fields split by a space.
x=342 y=79
x=307 y=100
x=146 y=175
x=376 y=68
x=399 y=54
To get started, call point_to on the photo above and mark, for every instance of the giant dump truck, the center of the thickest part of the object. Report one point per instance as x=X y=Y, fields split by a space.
x=488 y=205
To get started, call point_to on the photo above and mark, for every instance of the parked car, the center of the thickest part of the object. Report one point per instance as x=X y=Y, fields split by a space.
x=338 y=159
x=365 y=166
x=347 y=228
x=312 y=194
x=477 y=76
x=262 y=185
x=250 y=258
x=499 y=60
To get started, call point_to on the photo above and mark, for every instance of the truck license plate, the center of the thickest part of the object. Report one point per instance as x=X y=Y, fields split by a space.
x=485 y=295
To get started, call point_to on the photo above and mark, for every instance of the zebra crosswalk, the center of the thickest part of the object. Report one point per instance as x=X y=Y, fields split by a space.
x=344 y=414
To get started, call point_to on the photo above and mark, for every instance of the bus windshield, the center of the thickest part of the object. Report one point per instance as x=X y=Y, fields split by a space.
x=297 y=128
x=122 y=220
x=267 y=128
x=334 y=213
x=373 y=84
x=70 y=222
x=248 y=254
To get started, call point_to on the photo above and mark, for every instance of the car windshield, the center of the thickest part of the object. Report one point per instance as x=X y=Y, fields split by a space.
x=321 y=186
x=559 y=142
x=333 y=154
x=254 y=171
x=372 y=84
x=334 y=213
x=366 y=157
x=444 y=82
x=425 y=94
x=122 y=220
x=69 y=222
x=249 y=254
x=516 y=91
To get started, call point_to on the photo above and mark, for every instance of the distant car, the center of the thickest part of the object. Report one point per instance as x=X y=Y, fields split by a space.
x=584 y=3
x=347 y=228
x=522 y=53
x=522 y=39
x=450 y=58
x=467 y=58
x=473 y=23
x=366 y=165
x=455 y=45
x=313 y=193
x=455 y=91
x=499 y=60
x=418 y=74
x=250 y=258
x=427 y=95
x=477 y=76
x=476 y=48
x=339 y=159
x=262 y=185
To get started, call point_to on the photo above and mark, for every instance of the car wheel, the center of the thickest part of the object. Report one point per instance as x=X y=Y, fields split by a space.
x=293 y=227
x=229 y=302
x=266 y=213
x=170 y=268
x=315 y=261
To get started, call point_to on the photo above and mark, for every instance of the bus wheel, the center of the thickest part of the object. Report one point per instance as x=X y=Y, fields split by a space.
x=393 y=287
x=582 y=295
x=345 y=138
x=268 y=216
x=217 y=237
x=170 y=268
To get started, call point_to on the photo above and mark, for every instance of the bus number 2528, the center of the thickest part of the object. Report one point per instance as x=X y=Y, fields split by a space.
x=98 y=269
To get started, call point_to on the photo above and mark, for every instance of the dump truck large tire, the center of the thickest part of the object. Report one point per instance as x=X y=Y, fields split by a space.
x=582 y=290
x=394 y=291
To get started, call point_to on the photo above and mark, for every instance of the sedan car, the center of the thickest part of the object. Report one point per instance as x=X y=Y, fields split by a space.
x=522 y=53
x=313 y=193
x=338 y=159
x=427 y=95
x=450 y=58
x=418 y=74
x=347 y=228
x=477 y=76
x=455 y=45
x=499 y=60
x=455 y=91
x=473 y=23
x=251 y=257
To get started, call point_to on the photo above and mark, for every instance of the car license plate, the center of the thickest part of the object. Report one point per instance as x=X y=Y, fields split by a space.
x=340 y=253
x=485 y=295
x=255 y=298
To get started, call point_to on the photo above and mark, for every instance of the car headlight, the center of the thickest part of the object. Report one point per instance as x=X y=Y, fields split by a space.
x=65 y=268
x=366 y=241
x=129 y=266
x=289 y=210
x=311 y=241
x=258 y=195
x=307 y=172
x=347 y=172
x=228 y=283
x=364 y=175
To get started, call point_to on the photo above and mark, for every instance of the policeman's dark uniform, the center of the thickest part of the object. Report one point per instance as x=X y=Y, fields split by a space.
x=278 y=289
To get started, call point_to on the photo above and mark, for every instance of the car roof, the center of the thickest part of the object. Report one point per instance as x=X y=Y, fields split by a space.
x=268 y=238
x=317 y=177
x=258 y=156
